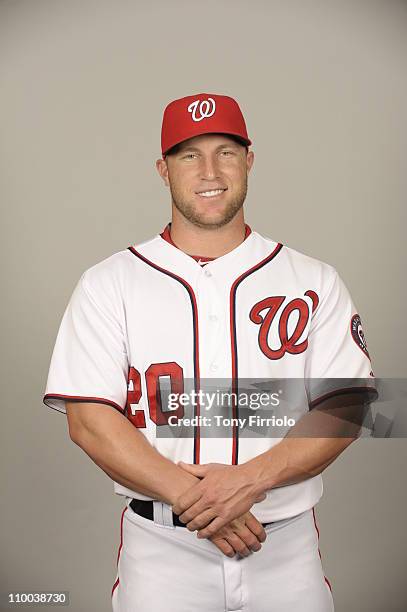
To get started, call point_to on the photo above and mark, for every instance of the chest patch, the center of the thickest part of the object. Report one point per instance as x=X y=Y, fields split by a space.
x=288 y=323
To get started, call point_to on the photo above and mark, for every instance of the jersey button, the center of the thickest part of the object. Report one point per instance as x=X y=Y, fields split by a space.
x=214 y=367
x=207 y=272
x=213 y=318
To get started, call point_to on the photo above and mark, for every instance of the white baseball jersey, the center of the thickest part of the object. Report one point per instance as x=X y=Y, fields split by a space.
x=151 y=313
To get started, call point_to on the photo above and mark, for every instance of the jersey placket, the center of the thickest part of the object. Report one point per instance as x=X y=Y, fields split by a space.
x=214 y=339
x=214 y=359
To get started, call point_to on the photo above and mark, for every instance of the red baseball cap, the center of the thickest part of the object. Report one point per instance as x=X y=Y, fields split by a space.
x=202 y=113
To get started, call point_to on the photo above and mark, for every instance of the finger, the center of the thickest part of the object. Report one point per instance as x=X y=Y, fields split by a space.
x=212 y=528
x=256 y=527
x=194 y=512
x=238 y=544
x=248 y=538
x=187 y=499
x=197 y=470
x=201 y=520
x=223 y=546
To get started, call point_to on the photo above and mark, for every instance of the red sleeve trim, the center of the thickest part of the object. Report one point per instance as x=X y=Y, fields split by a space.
x=344 y=391
x=81 y=398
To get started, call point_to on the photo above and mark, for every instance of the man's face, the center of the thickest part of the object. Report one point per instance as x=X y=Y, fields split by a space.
x=206 y=163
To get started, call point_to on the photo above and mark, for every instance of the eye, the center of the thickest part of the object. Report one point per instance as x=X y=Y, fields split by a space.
x=227 y=152
x=189 y=155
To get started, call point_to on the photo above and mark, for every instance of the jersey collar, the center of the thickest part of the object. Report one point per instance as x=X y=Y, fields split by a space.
x=202 y=260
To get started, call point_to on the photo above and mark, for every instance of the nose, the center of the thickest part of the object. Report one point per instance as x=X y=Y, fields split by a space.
x=209 y=168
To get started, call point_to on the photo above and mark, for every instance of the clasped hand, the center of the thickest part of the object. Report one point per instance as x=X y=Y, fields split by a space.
x=223 y=493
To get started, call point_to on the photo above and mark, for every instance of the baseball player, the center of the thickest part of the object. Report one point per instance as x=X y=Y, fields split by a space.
x=211 y=523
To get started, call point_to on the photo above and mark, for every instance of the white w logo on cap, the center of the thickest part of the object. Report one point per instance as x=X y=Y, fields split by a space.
x=204 y=107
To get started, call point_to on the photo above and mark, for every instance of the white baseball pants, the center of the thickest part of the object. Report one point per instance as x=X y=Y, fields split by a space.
x=162 y=568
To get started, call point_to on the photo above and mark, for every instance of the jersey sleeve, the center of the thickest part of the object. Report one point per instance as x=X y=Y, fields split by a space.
x=337 y=359
x=89 y=361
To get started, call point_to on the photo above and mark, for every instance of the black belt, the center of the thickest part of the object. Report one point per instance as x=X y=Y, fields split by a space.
x=144 y=508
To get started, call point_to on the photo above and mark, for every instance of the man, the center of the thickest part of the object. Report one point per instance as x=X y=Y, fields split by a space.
x=212 y=522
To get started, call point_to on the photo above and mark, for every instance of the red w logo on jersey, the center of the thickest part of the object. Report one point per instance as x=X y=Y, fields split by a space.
x=264 y=314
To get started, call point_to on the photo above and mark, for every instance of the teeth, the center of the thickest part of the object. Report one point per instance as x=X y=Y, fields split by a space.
x=208 y=194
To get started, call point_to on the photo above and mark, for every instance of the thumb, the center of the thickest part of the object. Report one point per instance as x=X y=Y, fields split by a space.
x=192 y=468
x=261 y=497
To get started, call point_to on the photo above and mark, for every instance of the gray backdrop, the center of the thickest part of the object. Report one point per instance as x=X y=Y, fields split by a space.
x=323 y=86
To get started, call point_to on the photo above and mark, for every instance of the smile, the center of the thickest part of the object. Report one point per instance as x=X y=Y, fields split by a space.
x=211 y=194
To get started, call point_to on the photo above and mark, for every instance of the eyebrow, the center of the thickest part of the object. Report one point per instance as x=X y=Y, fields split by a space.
x=197 y=149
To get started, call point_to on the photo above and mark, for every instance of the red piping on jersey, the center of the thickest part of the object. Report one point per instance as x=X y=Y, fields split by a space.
x=119 y=551
x=343 y=391
x=79 y=398
x=232 y=301
x=319 y=552
x=192 y=298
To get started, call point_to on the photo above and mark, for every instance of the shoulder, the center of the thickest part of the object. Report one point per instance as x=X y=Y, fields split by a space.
x=107 y=274
x=300 y=264
x=113 y=272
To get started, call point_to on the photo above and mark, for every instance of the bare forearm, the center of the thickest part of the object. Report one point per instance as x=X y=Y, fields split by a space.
x=124 y=453
x=294 y=460
x=318 y=438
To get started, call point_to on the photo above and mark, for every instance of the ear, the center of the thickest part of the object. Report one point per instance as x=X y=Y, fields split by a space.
x=162 y=169
x=249 y=160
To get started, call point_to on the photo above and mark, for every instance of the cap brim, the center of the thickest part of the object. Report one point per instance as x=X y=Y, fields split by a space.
x=244 y=141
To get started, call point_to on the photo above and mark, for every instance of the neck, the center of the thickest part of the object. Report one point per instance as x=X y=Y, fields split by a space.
x=207 y=242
